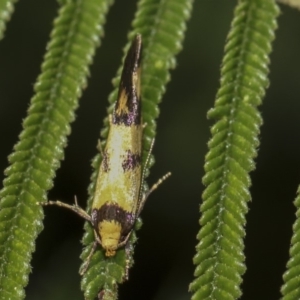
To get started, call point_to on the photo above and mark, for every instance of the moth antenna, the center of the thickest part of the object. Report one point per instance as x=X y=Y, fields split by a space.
x=145 y=167
x=146 y=195
x=75 y=208
x=157 y=184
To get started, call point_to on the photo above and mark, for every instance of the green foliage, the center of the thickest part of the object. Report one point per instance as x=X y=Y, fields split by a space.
x=6 y=10
x=291 y=288
x=220 y=257
x=36 y=156
x=162 y=25
x=232 y=148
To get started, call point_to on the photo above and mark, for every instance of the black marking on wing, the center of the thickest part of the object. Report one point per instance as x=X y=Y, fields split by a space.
x=128 y=106
x=131 y=161
x=105 y=162
x=113 y=212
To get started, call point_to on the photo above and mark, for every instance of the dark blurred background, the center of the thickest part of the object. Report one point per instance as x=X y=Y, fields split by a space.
x=163 y=258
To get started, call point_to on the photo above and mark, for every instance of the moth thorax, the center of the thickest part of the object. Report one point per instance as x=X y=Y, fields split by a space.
x=110 y=234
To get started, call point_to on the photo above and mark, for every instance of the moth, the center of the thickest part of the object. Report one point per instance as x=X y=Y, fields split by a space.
x=119 y=197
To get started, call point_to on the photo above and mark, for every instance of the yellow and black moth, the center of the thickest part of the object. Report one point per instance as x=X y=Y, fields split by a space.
x=119 y=197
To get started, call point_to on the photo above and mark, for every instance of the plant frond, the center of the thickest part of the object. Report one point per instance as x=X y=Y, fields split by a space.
x=291 y=288
x=220 y=257
x=6 y=10
x=36 y=156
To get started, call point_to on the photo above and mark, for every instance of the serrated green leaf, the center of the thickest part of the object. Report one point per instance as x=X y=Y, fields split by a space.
x=36 y=156
x=232 y=148
x=291 y=288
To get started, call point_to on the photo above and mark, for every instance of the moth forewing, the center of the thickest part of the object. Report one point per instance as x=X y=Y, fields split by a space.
x=118 y=184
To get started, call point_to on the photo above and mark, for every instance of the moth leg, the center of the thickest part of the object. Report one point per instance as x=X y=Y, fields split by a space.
x=128 y=261
x=77 y=209
x=153 y=188
x=124 y=243
x=88 y=259
x=99 y=147
x=128 y=250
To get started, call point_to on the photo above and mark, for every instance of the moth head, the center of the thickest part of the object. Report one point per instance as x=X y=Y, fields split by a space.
x=110 y=234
